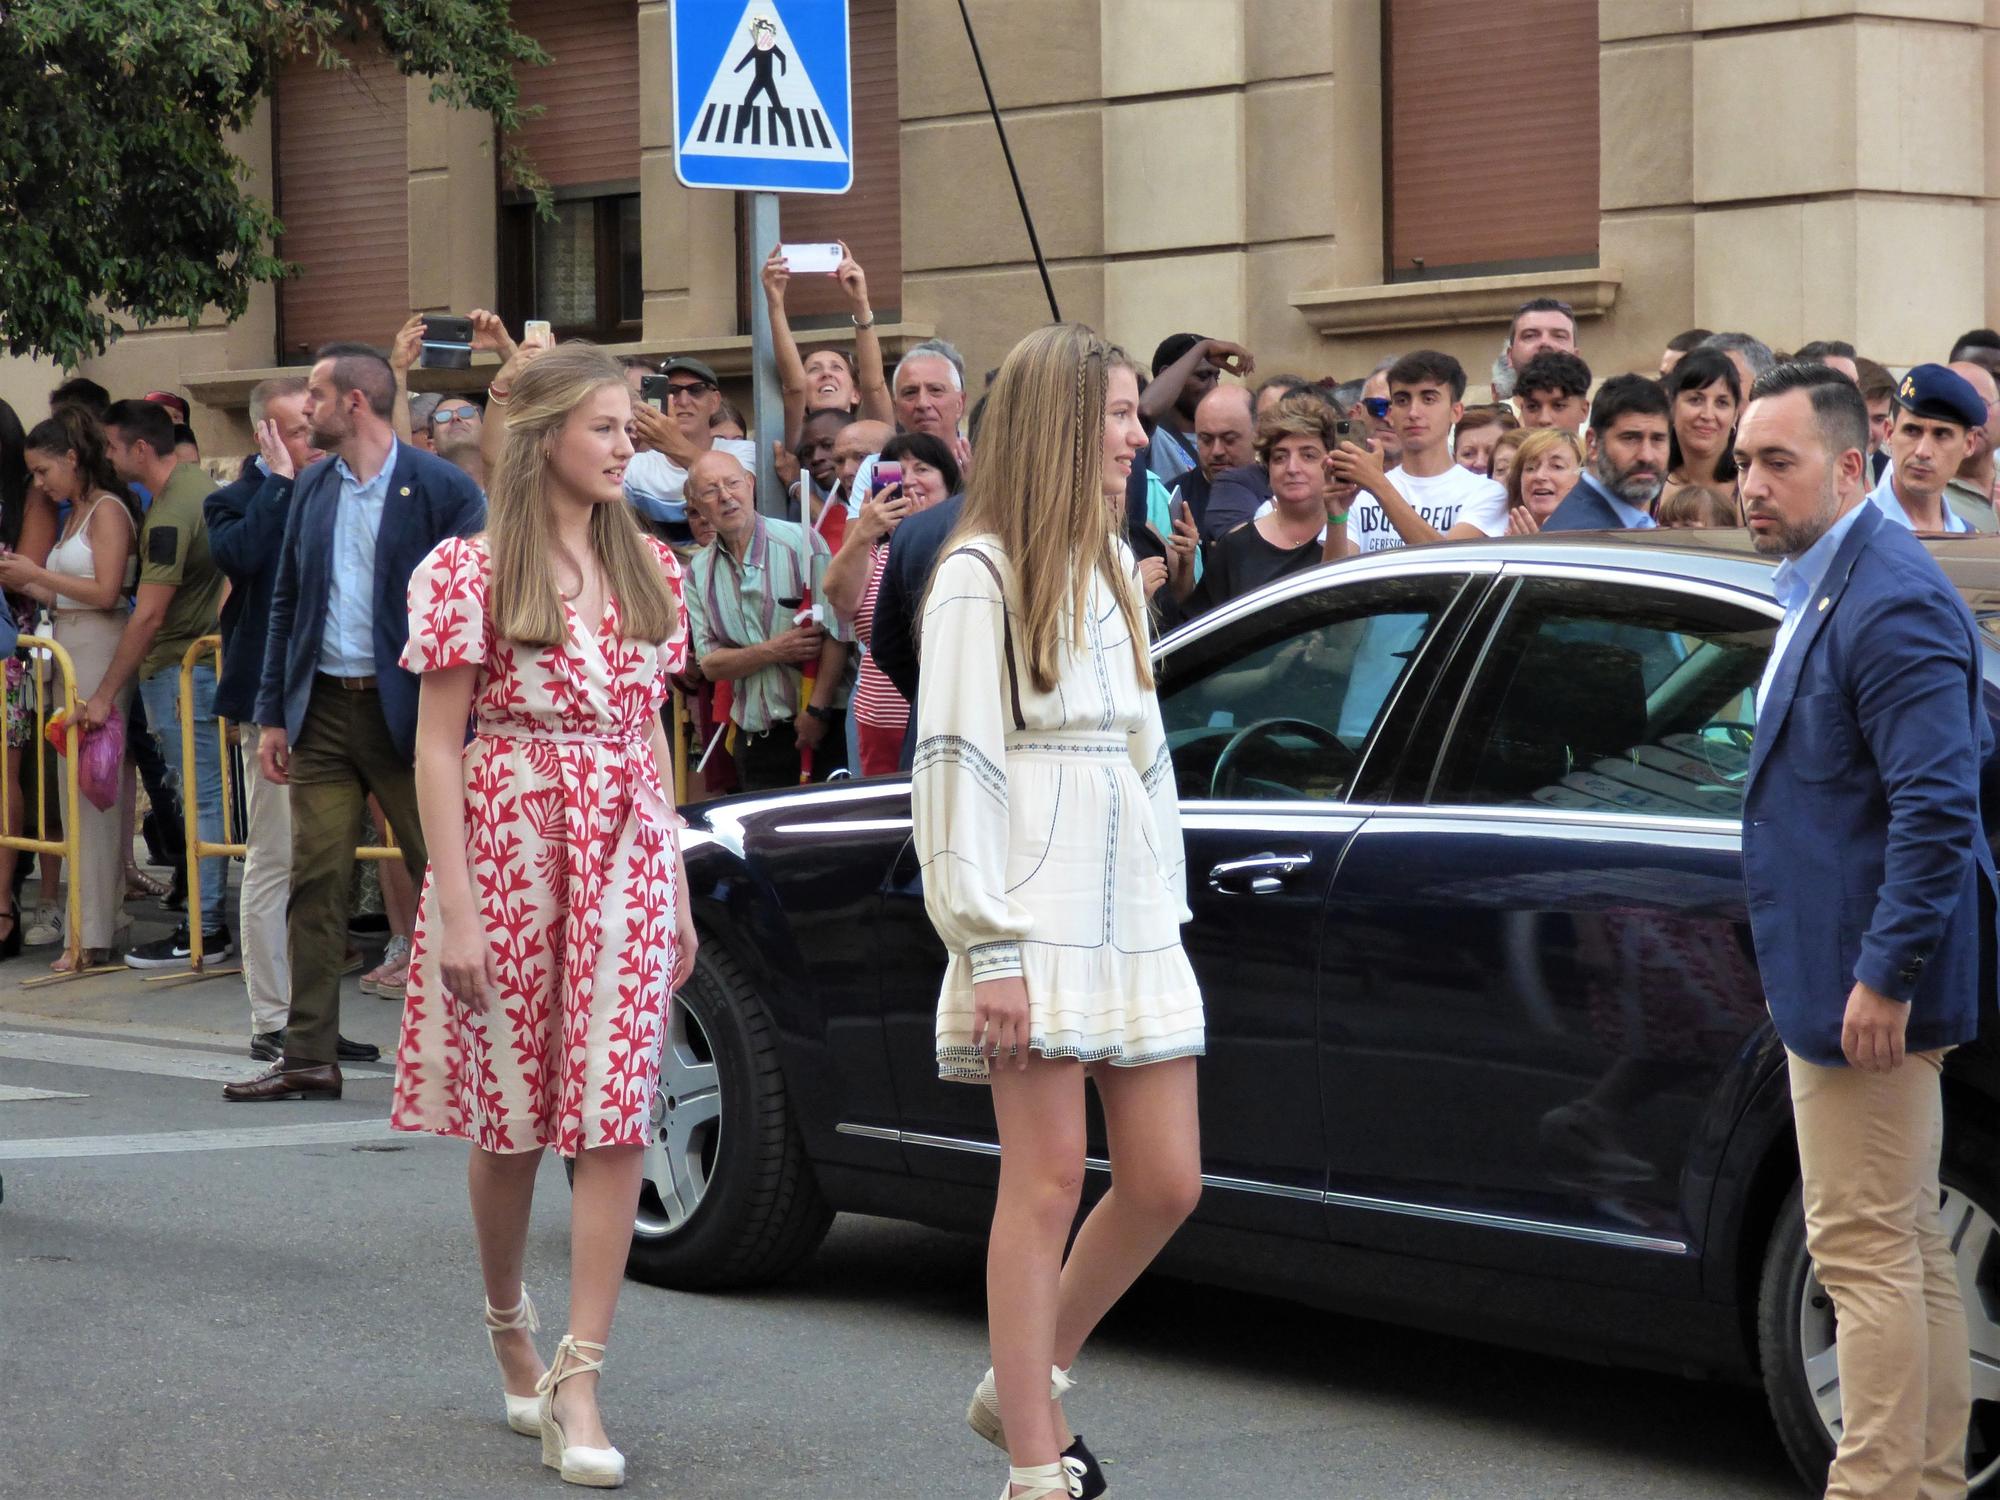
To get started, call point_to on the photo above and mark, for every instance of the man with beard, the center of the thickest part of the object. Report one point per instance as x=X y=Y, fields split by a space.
x=1871 y=890
x=1627 y=446
x=338 y=709
x=180 y=588
x=1541 y=324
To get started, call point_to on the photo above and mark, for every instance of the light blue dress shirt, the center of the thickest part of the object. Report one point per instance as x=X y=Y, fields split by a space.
x=1883 y=498
x=1793 y=585
x=347 y=649
x=1629 y=516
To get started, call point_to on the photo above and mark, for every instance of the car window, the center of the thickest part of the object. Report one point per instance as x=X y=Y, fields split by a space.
x=1279 y=707
x=1607 y=697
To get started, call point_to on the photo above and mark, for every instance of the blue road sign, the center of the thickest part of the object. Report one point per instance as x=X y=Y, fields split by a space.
x=762 y=102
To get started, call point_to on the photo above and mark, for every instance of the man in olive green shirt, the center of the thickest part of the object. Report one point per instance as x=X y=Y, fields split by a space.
x=179 y=597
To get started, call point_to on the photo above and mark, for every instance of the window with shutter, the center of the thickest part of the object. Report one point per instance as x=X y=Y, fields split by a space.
x=587 y=135
x=580 y=269
x=868 y=217
x=343 y=196
x=1491 y=156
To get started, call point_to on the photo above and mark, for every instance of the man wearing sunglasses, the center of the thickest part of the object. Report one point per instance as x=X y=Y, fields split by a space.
x=670 y=438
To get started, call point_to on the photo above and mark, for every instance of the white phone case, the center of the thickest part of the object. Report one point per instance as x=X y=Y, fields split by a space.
x=812 y=259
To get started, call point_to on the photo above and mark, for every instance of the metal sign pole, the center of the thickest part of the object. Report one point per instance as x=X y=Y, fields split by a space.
x=768 y=407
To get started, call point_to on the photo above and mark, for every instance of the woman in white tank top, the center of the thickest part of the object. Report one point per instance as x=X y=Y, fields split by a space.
x=87 y=581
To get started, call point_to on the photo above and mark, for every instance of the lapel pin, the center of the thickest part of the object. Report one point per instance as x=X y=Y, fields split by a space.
x=406 y=490
x=1823 y=603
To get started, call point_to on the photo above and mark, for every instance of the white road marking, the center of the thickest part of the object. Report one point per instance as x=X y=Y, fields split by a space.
x=9 y=1094
x=137 y=1057
x=325 y=1133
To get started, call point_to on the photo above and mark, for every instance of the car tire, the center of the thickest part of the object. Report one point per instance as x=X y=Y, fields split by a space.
x=1794 y=1319
x=760 y=1211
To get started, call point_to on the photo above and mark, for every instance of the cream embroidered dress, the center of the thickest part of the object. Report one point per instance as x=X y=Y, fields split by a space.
x=1048 y=826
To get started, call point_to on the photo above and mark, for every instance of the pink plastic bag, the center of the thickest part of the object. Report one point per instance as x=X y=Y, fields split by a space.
x=100 y=757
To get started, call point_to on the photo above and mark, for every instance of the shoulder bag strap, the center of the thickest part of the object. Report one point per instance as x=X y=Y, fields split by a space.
x=1006 y=631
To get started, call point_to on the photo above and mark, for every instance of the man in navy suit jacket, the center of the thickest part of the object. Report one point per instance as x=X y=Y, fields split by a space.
x=1628 y=460
x=1871 y=896
x=246 y=528
x=338 y=710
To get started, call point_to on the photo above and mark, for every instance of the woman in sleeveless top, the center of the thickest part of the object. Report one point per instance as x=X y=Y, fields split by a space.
x=87 y=581
x=1048 y=826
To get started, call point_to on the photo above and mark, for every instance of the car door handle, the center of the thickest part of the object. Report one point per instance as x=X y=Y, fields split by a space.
x=1256 y=875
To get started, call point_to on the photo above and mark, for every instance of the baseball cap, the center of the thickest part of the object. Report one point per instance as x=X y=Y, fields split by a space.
x=687 y=364
x=175 y=404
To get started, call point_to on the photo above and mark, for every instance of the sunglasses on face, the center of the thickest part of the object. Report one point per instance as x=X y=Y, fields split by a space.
x=445 y=416
x=687 y=390
x=1376 y=406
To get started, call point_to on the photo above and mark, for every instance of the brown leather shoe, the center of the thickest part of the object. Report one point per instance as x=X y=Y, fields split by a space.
x=287 y=1080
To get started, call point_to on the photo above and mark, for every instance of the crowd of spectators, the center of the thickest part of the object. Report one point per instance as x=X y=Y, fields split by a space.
x=121 y=545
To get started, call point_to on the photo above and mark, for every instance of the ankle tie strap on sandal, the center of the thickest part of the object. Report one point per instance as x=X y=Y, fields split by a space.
x=513 y=1319
x=1042 y=1481
x=570 y=1360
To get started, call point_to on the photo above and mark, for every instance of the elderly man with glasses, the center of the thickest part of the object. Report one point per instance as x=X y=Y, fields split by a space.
x=670 y=438
x=757 y=617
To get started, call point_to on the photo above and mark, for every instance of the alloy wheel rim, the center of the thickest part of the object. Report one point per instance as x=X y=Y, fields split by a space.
x=1975 y=1242
x=686 y=1131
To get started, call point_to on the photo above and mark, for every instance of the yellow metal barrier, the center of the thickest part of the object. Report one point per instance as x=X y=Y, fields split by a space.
x=70 y=845
x=232 y=844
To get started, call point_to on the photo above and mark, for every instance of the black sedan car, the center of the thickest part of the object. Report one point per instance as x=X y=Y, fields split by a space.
x=1487 y=1049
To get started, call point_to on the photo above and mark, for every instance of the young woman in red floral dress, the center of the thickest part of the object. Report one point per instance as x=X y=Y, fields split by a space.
x=554 y=923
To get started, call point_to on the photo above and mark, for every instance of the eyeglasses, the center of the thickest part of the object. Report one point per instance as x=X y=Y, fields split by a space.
x=689 y=390
x=1376 y=406
x=734 y=484
x=463 y=415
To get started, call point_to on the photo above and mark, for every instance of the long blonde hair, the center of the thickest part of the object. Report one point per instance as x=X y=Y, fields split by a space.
x=1038 y=485
x=522 y=598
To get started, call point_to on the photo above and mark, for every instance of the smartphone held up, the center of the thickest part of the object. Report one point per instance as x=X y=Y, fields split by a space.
x=821 y=259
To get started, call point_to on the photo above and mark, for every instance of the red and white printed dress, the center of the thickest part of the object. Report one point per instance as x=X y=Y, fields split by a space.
x=570 y=841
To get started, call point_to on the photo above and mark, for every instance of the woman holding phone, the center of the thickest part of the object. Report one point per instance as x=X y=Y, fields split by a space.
x=554 y=925
x=87 y=583
x=921 y=472
x=1048 y=827
x=828 y=377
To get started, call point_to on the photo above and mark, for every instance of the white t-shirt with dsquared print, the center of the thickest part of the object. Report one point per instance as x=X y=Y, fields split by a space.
x=1443 y=500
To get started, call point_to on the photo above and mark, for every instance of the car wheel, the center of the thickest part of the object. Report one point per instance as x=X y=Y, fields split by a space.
x=1795 y=1326
x=729 y=1197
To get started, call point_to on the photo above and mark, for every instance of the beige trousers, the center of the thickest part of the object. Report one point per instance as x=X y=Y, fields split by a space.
x=90 y=636
x=1868 y=1154
x=267 y=888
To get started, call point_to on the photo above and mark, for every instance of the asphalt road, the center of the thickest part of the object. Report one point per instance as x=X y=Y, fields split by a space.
x=290 y=1308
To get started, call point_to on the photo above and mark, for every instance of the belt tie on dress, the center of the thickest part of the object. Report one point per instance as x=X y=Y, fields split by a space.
x=560 y=736
x=1069 y=743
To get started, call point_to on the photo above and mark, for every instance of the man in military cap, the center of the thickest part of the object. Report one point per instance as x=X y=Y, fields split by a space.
x=1929 y=435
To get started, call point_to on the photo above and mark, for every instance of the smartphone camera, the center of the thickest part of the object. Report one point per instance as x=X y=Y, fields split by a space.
x=1345 y=431
x=653 y=391
x=447 y=343
x=886 y=475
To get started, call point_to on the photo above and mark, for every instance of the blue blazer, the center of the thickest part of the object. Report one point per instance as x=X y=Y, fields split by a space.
x=246 y=528
x=1583 y=509
x=1863 y=849
x=428 y=501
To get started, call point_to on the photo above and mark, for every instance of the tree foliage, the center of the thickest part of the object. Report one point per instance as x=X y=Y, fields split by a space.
x=118 y=190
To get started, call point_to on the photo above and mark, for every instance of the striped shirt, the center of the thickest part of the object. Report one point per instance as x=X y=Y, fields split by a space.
x=735 y=604
x=876 y=701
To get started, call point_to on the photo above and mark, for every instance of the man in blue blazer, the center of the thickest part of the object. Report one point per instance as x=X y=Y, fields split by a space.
x=246 y=527
x=1628 y=460
x=1872 y=899
x=338 y=710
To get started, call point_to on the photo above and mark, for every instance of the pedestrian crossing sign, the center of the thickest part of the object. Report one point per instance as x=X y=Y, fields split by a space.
x=762 y=102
